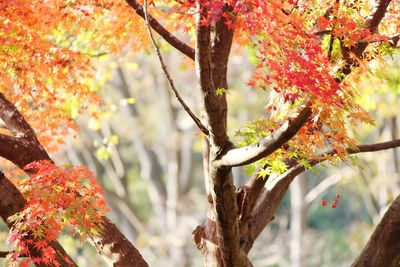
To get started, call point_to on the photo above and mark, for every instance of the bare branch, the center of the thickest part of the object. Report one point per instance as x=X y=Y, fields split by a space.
x=21 y=151
x=171 y=39
x=23 y=147
x=268 y=202
x=4 y=254
x=372 y=147
x=383 y=248
x=167 y=75
x=266 y=146
x=7 y=144
x=322 y=32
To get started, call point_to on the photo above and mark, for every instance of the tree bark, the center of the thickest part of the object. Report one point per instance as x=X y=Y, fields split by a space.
x=116 y=248
x=219 y=238
x=383 y=248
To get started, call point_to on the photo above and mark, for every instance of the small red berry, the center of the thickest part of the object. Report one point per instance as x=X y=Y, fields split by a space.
x=333 y=205
x=323 y=203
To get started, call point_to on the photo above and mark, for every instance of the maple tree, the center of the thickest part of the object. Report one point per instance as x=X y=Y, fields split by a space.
x=309 y=56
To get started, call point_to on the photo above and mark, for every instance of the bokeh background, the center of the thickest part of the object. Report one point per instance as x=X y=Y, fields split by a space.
x=146 y=153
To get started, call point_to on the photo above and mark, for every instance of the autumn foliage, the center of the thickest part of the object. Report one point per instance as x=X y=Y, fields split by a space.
x=46 y=51
x=58 y=199
x=309 y=55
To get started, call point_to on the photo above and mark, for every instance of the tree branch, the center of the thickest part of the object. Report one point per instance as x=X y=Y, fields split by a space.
x=167 y=75
x=12 y=202
x=266 y=146
x=171 y=39
x=256 y=184
x=378 y=14
x=371 y=147
x=266 y=205
x=23 y=147
x=4 y=254
x=13 y=120
x=276 y=187
x=110 y=243
x=372 y=24
x=383 y=248
x=395 y=39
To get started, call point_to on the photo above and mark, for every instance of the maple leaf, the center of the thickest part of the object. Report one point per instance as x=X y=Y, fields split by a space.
x=41 y=244
x=57 y=197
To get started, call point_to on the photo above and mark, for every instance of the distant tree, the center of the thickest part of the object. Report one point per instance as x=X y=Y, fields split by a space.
x=308 y=55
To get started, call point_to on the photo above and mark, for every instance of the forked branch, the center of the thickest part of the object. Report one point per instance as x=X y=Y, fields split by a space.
x=168 y=76
x=276 y=188
x=266 y=212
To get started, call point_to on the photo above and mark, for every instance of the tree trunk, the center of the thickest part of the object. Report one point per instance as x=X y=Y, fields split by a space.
x=218 y=239
x=116 y=248
x=383 y=248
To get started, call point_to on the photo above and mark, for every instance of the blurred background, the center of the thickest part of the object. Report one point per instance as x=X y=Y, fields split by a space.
x=146 y=153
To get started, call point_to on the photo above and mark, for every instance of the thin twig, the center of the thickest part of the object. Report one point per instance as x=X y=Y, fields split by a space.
x=330 y=47
x=167 y=75
x=4 y=254
x=335 y=13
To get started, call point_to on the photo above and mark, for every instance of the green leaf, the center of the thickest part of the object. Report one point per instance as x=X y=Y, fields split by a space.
x=264 y=172
x=38 y=234
x=221 y=91
x=278 y=166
